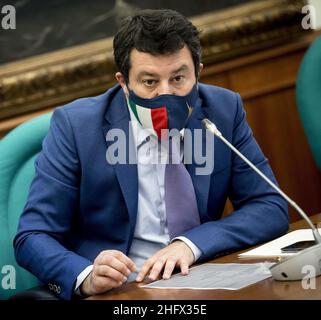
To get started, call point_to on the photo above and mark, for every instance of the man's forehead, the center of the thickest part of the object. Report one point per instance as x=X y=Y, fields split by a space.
x=149 y=64
x=184 y=51
x=150 y=71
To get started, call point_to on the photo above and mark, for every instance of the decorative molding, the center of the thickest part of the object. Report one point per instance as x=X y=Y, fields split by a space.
x=250 y=28
x=53 y=79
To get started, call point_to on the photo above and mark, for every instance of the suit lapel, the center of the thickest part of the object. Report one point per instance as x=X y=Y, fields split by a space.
x=117 y=117
x=201 y=182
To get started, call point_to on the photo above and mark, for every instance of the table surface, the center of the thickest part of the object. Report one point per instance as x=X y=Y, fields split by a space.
x=267 y=289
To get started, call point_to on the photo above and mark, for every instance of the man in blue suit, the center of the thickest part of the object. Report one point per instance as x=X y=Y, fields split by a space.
x=91 y=224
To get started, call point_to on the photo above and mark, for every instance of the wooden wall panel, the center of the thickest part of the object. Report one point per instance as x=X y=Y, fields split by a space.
x=266 y=82
x=277 y=128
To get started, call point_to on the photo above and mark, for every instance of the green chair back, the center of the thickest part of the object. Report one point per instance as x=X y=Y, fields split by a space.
x=308 y=95
x=18 y=151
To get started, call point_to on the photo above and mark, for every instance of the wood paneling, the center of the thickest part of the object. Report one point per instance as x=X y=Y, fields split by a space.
x=266 y=82
x=56 y=78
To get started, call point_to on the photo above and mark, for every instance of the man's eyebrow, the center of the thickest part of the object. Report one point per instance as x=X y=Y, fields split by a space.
x=146 y=73
x=184 y=67
x=141 y=74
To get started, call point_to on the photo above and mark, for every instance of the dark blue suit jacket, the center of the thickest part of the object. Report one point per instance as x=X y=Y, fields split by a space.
x=79 y=205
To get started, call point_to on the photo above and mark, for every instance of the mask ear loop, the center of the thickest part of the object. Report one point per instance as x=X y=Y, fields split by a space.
x=127 y=88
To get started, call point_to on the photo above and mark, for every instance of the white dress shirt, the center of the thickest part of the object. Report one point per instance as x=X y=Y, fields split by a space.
x=151 y=232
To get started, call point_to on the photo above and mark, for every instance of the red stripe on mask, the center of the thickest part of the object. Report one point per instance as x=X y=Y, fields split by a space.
x=159 y=119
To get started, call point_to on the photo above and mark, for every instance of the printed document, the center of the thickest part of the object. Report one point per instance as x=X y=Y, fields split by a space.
x=211 y=276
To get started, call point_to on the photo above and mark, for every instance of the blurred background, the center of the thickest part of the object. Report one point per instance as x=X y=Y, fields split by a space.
x=62 y=50
x=44 y=26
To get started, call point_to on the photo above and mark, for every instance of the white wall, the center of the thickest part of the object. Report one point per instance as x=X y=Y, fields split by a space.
x=317 y=6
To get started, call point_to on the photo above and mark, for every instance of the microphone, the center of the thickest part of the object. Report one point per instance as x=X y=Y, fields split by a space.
x=290 y=268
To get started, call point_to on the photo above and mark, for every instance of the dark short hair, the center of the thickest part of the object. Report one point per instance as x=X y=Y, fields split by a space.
x=155 y=32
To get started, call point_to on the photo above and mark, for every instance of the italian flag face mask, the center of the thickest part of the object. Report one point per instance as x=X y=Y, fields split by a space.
x=164 y=112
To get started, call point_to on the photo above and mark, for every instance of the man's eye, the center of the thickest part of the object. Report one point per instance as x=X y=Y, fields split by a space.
x=178 y=78
x=149 y=82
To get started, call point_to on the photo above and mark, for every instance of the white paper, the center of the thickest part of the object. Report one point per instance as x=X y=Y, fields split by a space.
x=212 y=276
x=273 y=248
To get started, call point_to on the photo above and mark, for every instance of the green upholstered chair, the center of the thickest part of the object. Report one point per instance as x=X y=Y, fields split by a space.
x=308 y=95
x=18 y=150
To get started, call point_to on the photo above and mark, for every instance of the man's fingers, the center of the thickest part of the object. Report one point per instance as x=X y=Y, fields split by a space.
x=127 y=261
x=116 y=264
x=96 y=283
x=117 y=260
x=176 y=254
x=169 y=268
x=184 y=268
x=124 y=259
x=107 y=271
x=111 y=269
x=145 y=269
x=157 y=269
x=102 y=284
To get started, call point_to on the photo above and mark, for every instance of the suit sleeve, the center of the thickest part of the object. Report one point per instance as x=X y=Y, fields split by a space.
x=260 y=213
x=48 y=214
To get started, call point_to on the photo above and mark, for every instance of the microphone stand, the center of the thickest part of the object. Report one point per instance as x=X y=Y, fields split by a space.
x=289 y=268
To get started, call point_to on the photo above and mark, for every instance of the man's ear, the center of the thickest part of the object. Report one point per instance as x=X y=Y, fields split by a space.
x=121 y=80
x=201 y=67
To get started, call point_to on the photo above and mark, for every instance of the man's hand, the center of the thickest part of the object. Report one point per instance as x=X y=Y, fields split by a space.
x=177 y=254
x=110 y=270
